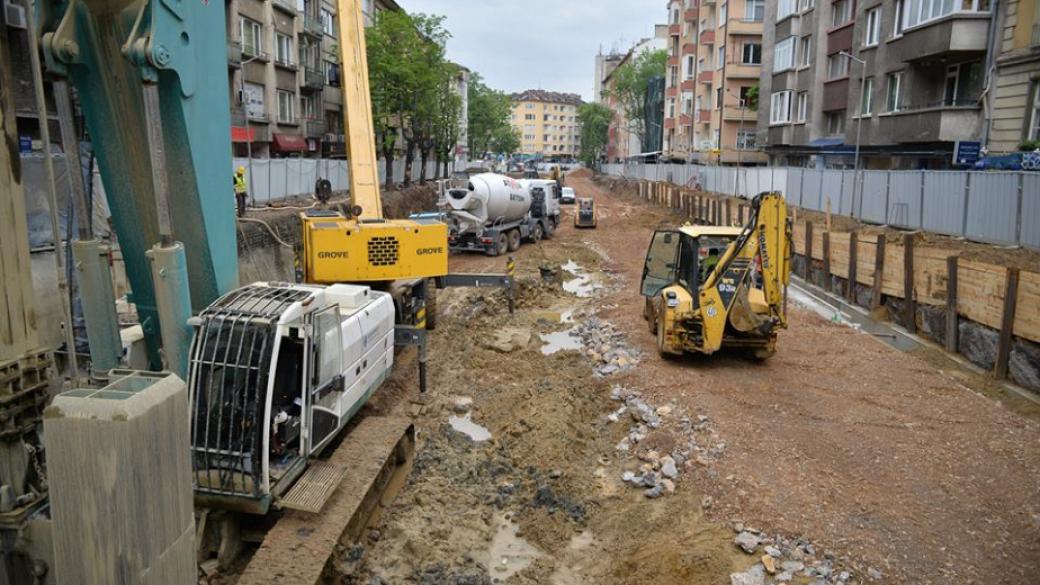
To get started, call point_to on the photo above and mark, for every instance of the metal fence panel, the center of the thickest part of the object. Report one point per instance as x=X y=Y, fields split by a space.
x=830 y=190
x=904 y=199
x=793 y=186
x=993 y=206
x=812 y=182
x=942 y=202
x=872 y=202
x=1030 y=215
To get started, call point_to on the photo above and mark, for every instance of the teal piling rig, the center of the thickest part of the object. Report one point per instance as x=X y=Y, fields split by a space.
x=146 y=74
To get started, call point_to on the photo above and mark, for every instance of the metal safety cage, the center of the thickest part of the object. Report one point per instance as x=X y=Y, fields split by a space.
x=231 y=359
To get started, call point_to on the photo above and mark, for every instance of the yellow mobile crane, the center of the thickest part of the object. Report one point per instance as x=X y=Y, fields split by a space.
x=709 y=287
x=363 y=246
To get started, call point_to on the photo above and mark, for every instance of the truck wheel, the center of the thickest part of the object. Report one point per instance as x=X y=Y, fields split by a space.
x=537 y=232
x=514 y=240
x=550 y=228
x=501 y=246
x=431 y=304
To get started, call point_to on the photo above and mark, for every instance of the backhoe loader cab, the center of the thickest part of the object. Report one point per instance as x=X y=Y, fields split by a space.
x=710 y=286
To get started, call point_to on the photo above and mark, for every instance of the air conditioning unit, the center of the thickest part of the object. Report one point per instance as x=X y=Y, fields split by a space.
x=14 y=15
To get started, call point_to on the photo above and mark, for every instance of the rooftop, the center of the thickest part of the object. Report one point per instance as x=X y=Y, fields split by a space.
x=552 y=97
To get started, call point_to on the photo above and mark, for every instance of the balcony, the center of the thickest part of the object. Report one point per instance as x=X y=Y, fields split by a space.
x=689 y=49
x=250 y=53
x=703 y=116
x=671 y=91
x=835 y=94
x=962 y=34
x=740 y=26
x=685 y=120
x=312 y=26
x=284 y=64
x=707 y=37
x=669 y=123
x=940 y=123
x=735 y=114
x=313 y=79
x=691 y=14
x=675 y=29
x=840 y=39
x=288 y=6
x=688 y=85
x=738 y=70
x=706 y=77
x=313 y=128
x=234 y=54
x=258 y=127
x=673 y=61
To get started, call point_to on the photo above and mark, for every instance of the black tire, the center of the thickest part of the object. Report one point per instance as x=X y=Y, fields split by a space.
x=514 y=240
x=550 y=228
x=501 y=246
x=651 y=317
x=537 y=232
x=431 y=304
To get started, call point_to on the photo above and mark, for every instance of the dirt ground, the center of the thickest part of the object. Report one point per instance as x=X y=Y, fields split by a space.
x=841 y=459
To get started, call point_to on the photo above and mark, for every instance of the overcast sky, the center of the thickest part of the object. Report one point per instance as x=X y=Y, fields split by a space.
x=540 y=44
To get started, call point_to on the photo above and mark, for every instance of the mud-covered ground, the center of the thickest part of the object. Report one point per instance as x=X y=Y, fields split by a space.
x=840 y=460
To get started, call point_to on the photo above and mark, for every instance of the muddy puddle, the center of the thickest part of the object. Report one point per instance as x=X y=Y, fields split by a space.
x=508 y=553
x=582 y=285
x=560 y=341
x=465 y=425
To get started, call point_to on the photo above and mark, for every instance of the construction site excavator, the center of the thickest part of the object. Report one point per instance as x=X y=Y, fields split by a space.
x=274 y=371
x=710 y=287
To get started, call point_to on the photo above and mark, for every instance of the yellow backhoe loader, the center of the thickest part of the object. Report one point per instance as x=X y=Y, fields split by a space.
x=709 y=287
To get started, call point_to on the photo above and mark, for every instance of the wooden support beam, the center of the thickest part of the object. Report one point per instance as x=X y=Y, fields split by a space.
x=910 y=308
x=729 y=212
x=952 y=329
x=807 y=270
x=1007 y=324
x=827 y=279
x=879 y=271
x=850 y=285
x=740 y=214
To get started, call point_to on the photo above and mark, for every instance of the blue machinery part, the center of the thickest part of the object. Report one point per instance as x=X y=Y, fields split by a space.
x=111 y=50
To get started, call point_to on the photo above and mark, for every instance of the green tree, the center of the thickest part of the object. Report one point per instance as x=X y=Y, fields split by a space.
x=631 y=81
x=446 y=124
x=489 y=114
x=505 y=140
x=595 y=123
x=752 y=98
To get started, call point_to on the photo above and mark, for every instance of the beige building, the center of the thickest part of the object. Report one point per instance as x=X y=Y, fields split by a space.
x=283 y=76
x=714 y=59
x=1015 y=114
x=547 y=122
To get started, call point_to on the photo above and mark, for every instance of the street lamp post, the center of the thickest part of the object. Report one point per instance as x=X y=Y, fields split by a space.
x=245 y=114
x=859 y=126
x=740 y=132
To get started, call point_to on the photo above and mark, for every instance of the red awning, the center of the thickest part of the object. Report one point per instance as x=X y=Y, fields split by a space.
x=240 y=134
x=289 y=143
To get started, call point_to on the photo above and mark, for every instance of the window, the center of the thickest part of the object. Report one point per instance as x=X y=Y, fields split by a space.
x=529 y=116
x=870 y=32
x=780 y=107
x=723 y=13
x=687 y=103
x=866 y=101
x=917 y=12
x=745 y=101
x=690 y=65
x=671 y=107
x=755 y=10
x=722 y=57
x=783 y=55
x=530 y=106
x=784 y=8
x=307 y=53
x=251 y=34
x=286 y=107
x=804 y=5
x=331 y=73
x=836 y=122
x=1033 y=133
x=745 y=138
x=805 y=51
x=307 y=107
x=752 y=54
x=963 y=84
x=803 y=105
x=718 y=98
x=893 y=81
x=837 y=66
x=898 y=20
x=328 y=22
x=841 y=12
x=283 y=49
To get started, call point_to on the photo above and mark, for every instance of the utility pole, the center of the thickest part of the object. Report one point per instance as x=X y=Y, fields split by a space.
x=245 y=113
x=857 y=185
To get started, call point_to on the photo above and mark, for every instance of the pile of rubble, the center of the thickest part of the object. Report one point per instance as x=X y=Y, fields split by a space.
x=606 y=347
x=695 y=440
x=784 y=560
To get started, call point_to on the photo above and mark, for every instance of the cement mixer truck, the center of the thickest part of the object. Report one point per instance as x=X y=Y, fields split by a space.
x=494 y=213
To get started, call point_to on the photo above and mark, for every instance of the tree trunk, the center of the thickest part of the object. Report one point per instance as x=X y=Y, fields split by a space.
x=388 y=159
x=424 y=154
x=409 y=158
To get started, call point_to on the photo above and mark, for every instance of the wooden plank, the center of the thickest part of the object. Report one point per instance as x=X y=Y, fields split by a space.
x=839 y=249
x=729 y=212
x=806 y=269
x=910 y=308
x=1027 y=323
x=827 y=280
x=879 y=271
x=1007 y=325
x=952 y=330
x=980 y=292
x=850 y=286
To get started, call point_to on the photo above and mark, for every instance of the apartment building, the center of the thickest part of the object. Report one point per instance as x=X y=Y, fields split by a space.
x=714 y=60
x=284 y=76
x=547 y=122
x=911 y=90
x=622 y=142
x=1015 y=108
x=605 y=65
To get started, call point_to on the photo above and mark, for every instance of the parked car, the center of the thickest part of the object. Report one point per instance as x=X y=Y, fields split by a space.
x=567 y=195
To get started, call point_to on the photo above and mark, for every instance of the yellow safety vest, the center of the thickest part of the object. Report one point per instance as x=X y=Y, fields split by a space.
x=240 y=183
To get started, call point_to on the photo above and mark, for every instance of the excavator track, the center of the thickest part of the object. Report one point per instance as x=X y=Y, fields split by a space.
x=376 y=455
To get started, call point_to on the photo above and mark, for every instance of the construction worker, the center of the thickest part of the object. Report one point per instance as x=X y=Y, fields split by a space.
x=241 y=190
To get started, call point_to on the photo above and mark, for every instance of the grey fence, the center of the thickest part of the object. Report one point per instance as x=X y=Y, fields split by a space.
x=998 y=207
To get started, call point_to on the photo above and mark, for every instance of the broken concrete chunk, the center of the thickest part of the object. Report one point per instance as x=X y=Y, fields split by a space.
x=747 y=541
